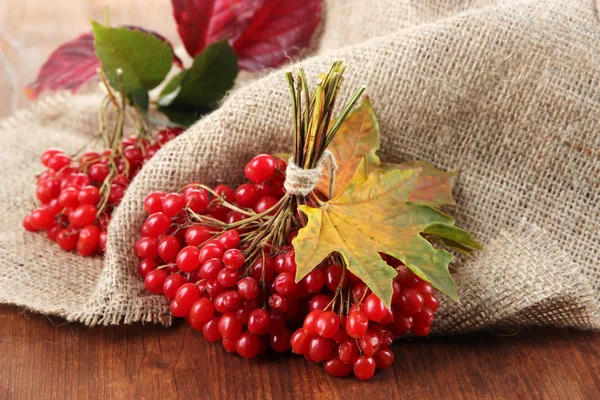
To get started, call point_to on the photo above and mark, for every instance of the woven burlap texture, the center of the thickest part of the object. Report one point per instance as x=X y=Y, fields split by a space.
x=505 y=91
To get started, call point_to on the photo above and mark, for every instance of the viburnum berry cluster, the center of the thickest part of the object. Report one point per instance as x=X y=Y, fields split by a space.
x=328 y=316
x=78 y=193
x=306 y=255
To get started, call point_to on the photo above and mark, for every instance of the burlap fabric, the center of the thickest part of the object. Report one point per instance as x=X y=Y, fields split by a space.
x=506 y=91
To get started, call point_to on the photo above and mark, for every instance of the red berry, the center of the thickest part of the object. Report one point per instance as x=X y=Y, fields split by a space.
x=197 y=234
x=319 y=302
x=208 y=252
x=187 y=295
x=402 y=322
x=246 y=195
x=210 y=269
x=87 y=243
x=431 y=301
x=374 y=308
x=153 y=202
x=83 y=215
x=102 y=240
x=233 y=259
x=228 y=277
x=187 y=259
x=146 y=247
x=227 y=301
x=320 y=349
x=259 y=321
x=327 y=324
x=248 y=288
x=156 y=225
x=172 y=284
x=364 y=368
x=27 y=224
x=425 y=317
x=41 y=219
x=348 y=351
x=229 y=345
x=177 y=310
x=333 y=277
x=268 y=273
x=247 y=345
x=411 y=301
x=285 y=284
x=314 y=281
x=369 y=343
x=172 y=204
x=210 y=330
x=197 y=200
x=260 y=168
x=88 y=195
x=67 y=239
x=225 y=192
x=58 y=161
x=229 y=326
x=168 y=248
x=383 y=358
x=99 y=172
x=202 y=310
x=357 y=324
x=338 y=368
x=280 y=341
x=420 y=330
x=229 y=239
x=310 y=320
x=300 y=341
x=155 y=280
x=48 y=190
x=264 y=203
x=145 y=266
x=49 y=153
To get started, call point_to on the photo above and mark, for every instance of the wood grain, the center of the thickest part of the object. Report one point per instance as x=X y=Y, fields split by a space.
x=42 y=358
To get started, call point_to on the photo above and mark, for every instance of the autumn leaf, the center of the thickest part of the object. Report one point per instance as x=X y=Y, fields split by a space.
x=69 y=66
x=359 y=136
x=75 y=63
x=263 y=33
x=372 y=215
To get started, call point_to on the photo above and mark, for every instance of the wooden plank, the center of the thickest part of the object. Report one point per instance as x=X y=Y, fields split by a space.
x=43 y=358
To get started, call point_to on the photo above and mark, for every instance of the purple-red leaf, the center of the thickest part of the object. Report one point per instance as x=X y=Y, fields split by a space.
x=74 y=63
x=263 y=33
x=69 y=66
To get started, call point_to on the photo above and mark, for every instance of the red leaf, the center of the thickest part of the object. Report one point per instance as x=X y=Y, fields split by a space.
x=263 y=33
x=74 y=63
x=69 y=66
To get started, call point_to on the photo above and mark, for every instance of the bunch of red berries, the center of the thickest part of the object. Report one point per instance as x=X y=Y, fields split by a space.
x=78 y=196
x=201 y=248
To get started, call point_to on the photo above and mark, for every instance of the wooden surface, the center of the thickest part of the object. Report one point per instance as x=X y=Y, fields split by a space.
x=43 y=358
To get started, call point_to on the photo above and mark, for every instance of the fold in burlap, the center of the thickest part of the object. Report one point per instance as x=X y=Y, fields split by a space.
x=506 y=91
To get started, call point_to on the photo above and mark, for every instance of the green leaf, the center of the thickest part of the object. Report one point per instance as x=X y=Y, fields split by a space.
x=373 y=214
x=144 y=59
x=184 y=116
x=210 y=77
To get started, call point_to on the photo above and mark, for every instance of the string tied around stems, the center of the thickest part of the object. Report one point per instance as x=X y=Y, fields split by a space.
x=300 y=181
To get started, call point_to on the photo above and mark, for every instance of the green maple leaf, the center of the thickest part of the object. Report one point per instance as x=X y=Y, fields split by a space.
x=373 y=214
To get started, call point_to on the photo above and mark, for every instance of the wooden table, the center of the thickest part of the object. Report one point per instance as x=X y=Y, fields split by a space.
x=45 y=358
x=42 y=358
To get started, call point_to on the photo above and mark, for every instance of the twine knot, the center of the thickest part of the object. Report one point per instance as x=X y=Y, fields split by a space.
x=300 y=181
